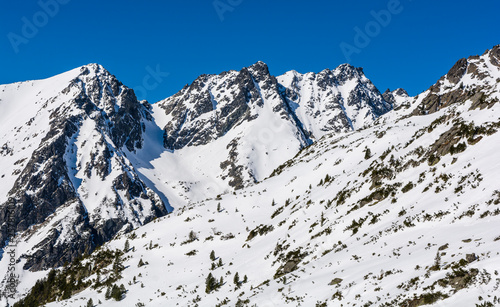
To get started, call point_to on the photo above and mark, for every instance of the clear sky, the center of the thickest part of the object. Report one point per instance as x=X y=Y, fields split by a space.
x=406 y=43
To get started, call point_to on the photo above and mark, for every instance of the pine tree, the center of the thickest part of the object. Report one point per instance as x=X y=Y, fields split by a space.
x=221 y=281
x=127 y=246
x=122 y=290
x=245 y=279
x=368 y=153
x=97 y=280
x=210 y=283
x=52 y=276
x=117 y=292
x=117 y=266
x=212 y=255
x=218 y=207
x=108 y=293
x=192 y=236
x=236 y=279
x=66 y=294
x=141 y=263
x=220 y=262
x=90 y=303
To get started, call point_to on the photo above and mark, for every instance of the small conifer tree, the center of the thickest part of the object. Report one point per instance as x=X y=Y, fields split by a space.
x=210 y=283
x=141 y=263
x=236 y=279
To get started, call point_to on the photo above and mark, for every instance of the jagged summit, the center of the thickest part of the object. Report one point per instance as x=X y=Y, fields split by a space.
x=259 y=66
x=397 y=97
x=476 y=78
x=64 y=165
x=398 y=91
x=357 y=103
x=336 y=100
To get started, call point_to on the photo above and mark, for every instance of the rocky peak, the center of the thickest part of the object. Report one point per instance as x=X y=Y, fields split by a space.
x=494 y=55
x=401 y=92
x=396 y=97
x=214 y=104
x=474 y=79
x=114 y=105
x=347 y=72
x=92 y=119
x=336 y=100
x=259 y=71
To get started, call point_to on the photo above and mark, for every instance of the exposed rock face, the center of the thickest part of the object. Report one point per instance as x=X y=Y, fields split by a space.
x=475 y=79
x=95 y=119
x=494 y=55
x=457 y=71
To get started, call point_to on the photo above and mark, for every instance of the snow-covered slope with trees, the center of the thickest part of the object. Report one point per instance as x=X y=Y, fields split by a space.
x=399 y=212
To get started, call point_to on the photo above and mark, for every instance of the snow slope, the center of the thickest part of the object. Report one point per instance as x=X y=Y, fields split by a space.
x=383 y=250
x=403 y=213
x=399 y=212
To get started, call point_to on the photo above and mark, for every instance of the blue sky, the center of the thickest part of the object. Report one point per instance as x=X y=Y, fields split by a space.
x=410 y=44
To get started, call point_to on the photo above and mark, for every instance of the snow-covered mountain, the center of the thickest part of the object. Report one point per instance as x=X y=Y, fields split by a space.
x=333 y=101
x=66 y=183
x=83 y=160
x=394 y=202
x=246 y=123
